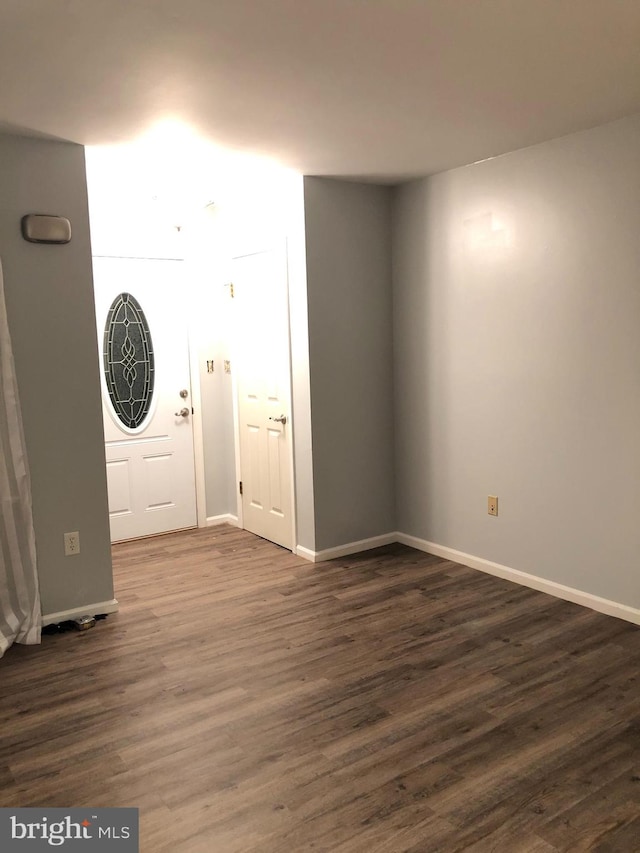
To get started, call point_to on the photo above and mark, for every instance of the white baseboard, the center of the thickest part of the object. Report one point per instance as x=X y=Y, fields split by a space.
x=348 y=548
x=227 y=518
x=568 y=593
x=558 y=590
x=87 y=610
x=306 y=553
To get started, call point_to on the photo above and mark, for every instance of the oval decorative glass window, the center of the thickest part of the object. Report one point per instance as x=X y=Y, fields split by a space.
x=128 y=360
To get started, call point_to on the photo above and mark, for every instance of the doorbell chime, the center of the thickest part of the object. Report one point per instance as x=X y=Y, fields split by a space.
x=43 y=228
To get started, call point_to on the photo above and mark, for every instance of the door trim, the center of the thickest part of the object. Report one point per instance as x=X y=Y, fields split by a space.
x=196 y=416
x=292 y=460
x=236 y=423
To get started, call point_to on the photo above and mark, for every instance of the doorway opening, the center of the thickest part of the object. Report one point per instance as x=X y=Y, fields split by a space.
x=210 y=279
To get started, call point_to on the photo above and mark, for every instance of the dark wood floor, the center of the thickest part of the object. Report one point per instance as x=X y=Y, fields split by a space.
x=250 y=702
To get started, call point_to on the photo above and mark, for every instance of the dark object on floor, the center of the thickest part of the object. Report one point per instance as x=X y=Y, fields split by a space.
x=73 y=624
x=58 y=628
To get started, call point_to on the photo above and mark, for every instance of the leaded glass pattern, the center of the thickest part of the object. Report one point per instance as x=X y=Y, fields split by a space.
x=128 y=360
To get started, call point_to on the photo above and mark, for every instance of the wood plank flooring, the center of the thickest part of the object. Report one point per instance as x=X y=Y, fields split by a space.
x=250 y=702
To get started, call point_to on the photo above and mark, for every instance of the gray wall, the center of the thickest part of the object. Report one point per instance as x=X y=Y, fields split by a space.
x=517 y=359
x=347 y=231
x=209 y=323
x=217 y=429
x=49 y=293
x=217 y=398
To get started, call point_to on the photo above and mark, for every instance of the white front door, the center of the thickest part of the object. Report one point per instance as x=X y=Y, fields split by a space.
x=146 y=395
x=264 y=405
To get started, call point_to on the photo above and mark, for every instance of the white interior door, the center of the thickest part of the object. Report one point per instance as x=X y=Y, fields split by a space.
x=146 y=395
x=264 y=405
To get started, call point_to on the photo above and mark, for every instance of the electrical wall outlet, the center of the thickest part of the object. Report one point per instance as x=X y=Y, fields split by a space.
x=71 y=544
x=492 y=504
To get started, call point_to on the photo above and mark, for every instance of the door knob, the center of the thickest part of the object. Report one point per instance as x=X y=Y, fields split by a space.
x=281 y=420
x=182 y=413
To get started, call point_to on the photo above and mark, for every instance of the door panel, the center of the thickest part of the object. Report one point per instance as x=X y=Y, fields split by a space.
x=263 y=371
x=160 y=475
x=254 y=477
x=275 y=464
x=150 y=469
x=119 y=486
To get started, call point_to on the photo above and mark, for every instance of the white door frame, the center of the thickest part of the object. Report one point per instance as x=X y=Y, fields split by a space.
x=236 y=429
x=196 y=417
x=281 y=248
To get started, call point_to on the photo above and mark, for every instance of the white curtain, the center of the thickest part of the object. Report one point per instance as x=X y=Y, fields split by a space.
x=20 y=615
